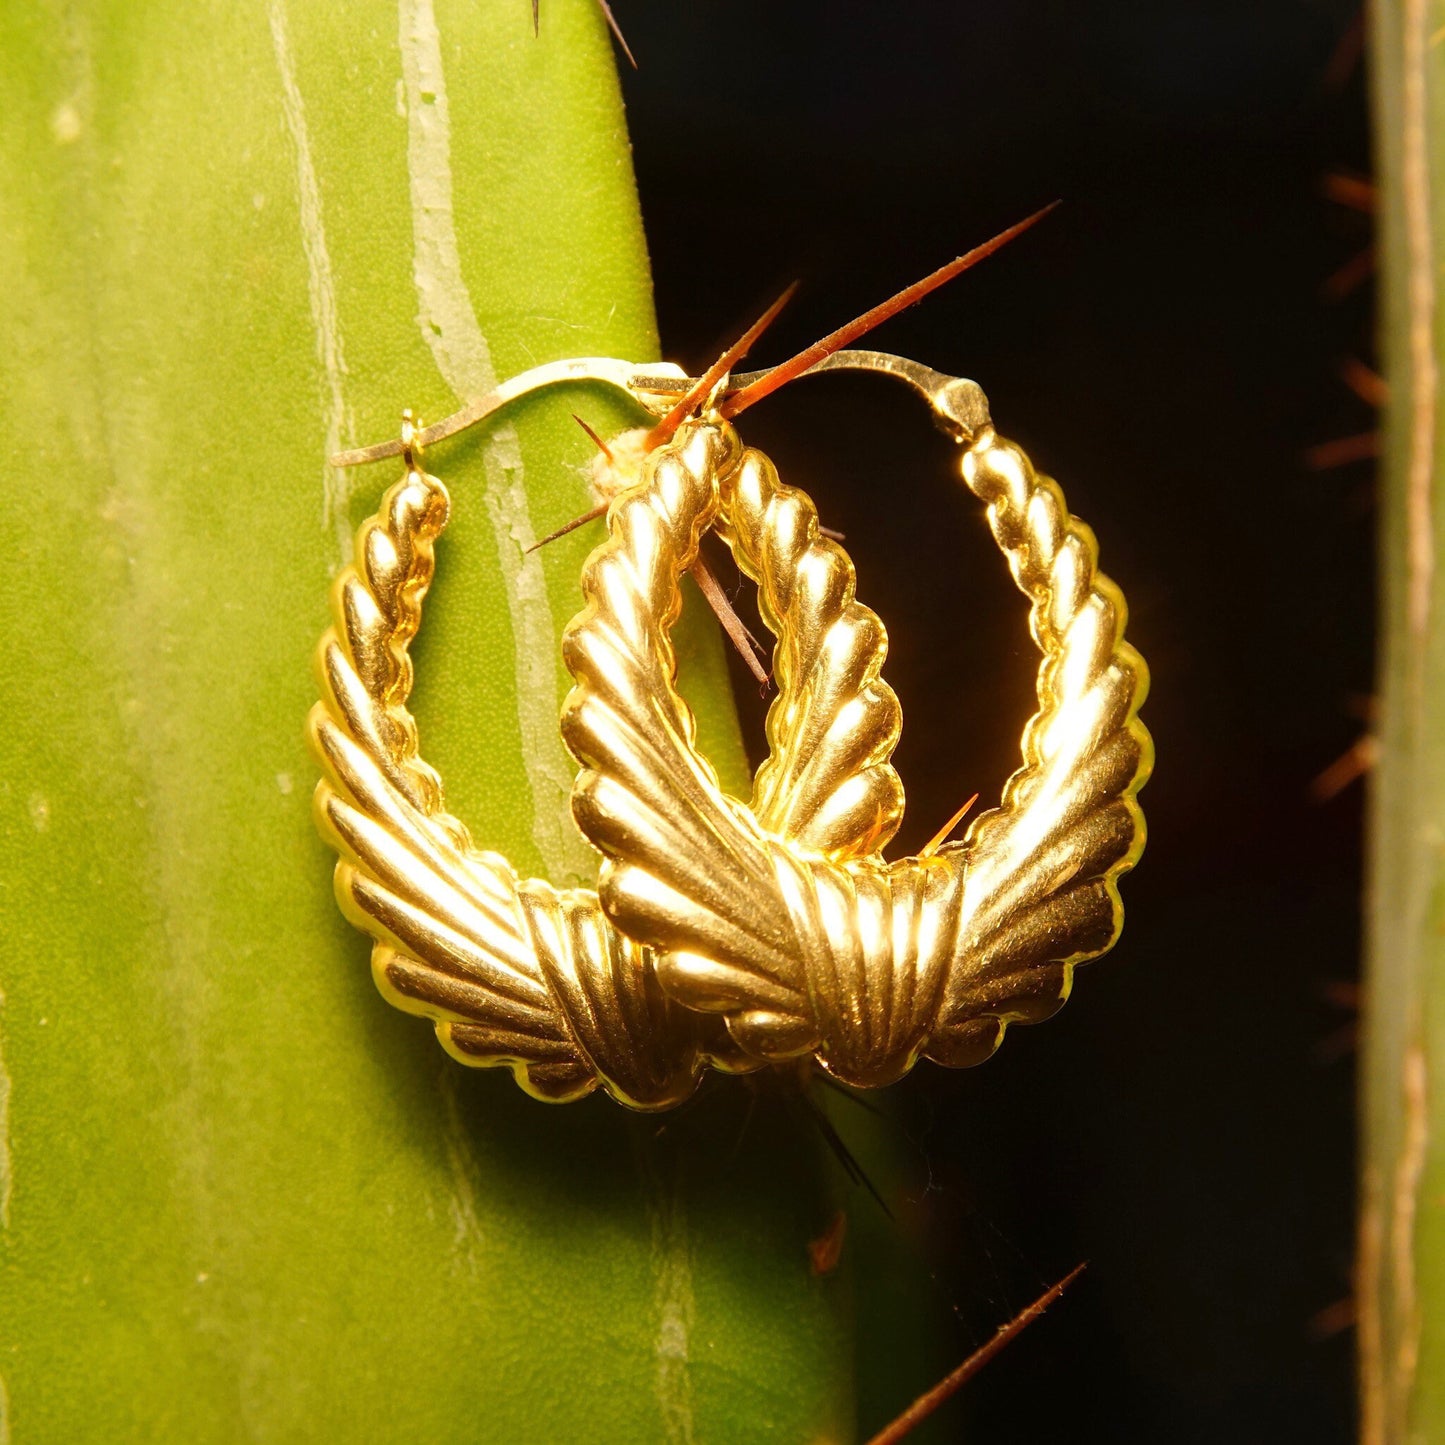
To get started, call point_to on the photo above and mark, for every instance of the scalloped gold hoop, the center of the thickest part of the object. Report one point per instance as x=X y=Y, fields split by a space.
x=868 y=964
x=781 y=917
x=513 y=971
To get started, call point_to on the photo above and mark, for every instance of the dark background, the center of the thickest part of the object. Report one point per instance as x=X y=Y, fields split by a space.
x=1164 y=345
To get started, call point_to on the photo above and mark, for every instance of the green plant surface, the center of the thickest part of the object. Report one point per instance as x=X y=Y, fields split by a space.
x=1402 y=1235
x=240 y=1198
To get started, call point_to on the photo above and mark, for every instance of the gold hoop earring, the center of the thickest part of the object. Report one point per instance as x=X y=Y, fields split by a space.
x=869 y=965
x=513 y=971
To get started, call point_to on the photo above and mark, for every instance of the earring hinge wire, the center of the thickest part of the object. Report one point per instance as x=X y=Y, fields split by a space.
x=959 y=405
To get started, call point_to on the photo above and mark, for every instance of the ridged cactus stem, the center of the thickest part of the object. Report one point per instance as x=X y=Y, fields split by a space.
x=1402 y=1231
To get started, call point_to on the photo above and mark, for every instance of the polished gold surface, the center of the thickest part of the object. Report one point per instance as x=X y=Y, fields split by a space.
x=778 y=918
x=800 y=945
x=513 y=971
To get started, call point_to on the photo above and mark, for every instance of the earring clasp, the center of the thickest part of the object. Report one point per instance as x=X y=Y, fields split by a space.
x=959 y=405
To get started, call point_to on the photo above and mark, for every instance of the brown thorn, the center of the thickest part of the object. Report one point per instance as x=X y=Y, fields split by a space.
x=1346 y=54
x=825 y=1251
x=616 y=30
x=1334 y=1319
x=592 y=516
x=832 y=535
x=935 y=842
x=927 y=1403
x=1362 y=705
x=536 y=18
x=1365 y=382
x=1353 y=274
x=601 y=445
x=1356 y=192
x=715 y=373
x=740 y=401
x=1341 y=993
x=1357 y=760
x=732 y=624
x=847 y=1160
x=1342 y=451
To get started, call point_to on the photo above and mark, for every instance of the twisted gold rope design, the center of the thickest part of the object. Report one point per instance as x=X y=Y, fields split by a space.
x=513 y=971
x=870 y=964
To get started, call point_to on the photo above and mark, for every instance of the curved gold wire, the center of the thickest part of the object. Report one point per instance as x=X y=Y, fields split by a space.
x=513 y=971
x=867 y=963
x=956 y=402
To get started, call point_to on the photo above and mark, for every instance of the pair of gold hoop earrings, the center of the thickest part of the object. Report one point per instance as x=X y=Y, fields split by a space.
x=722 y=934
